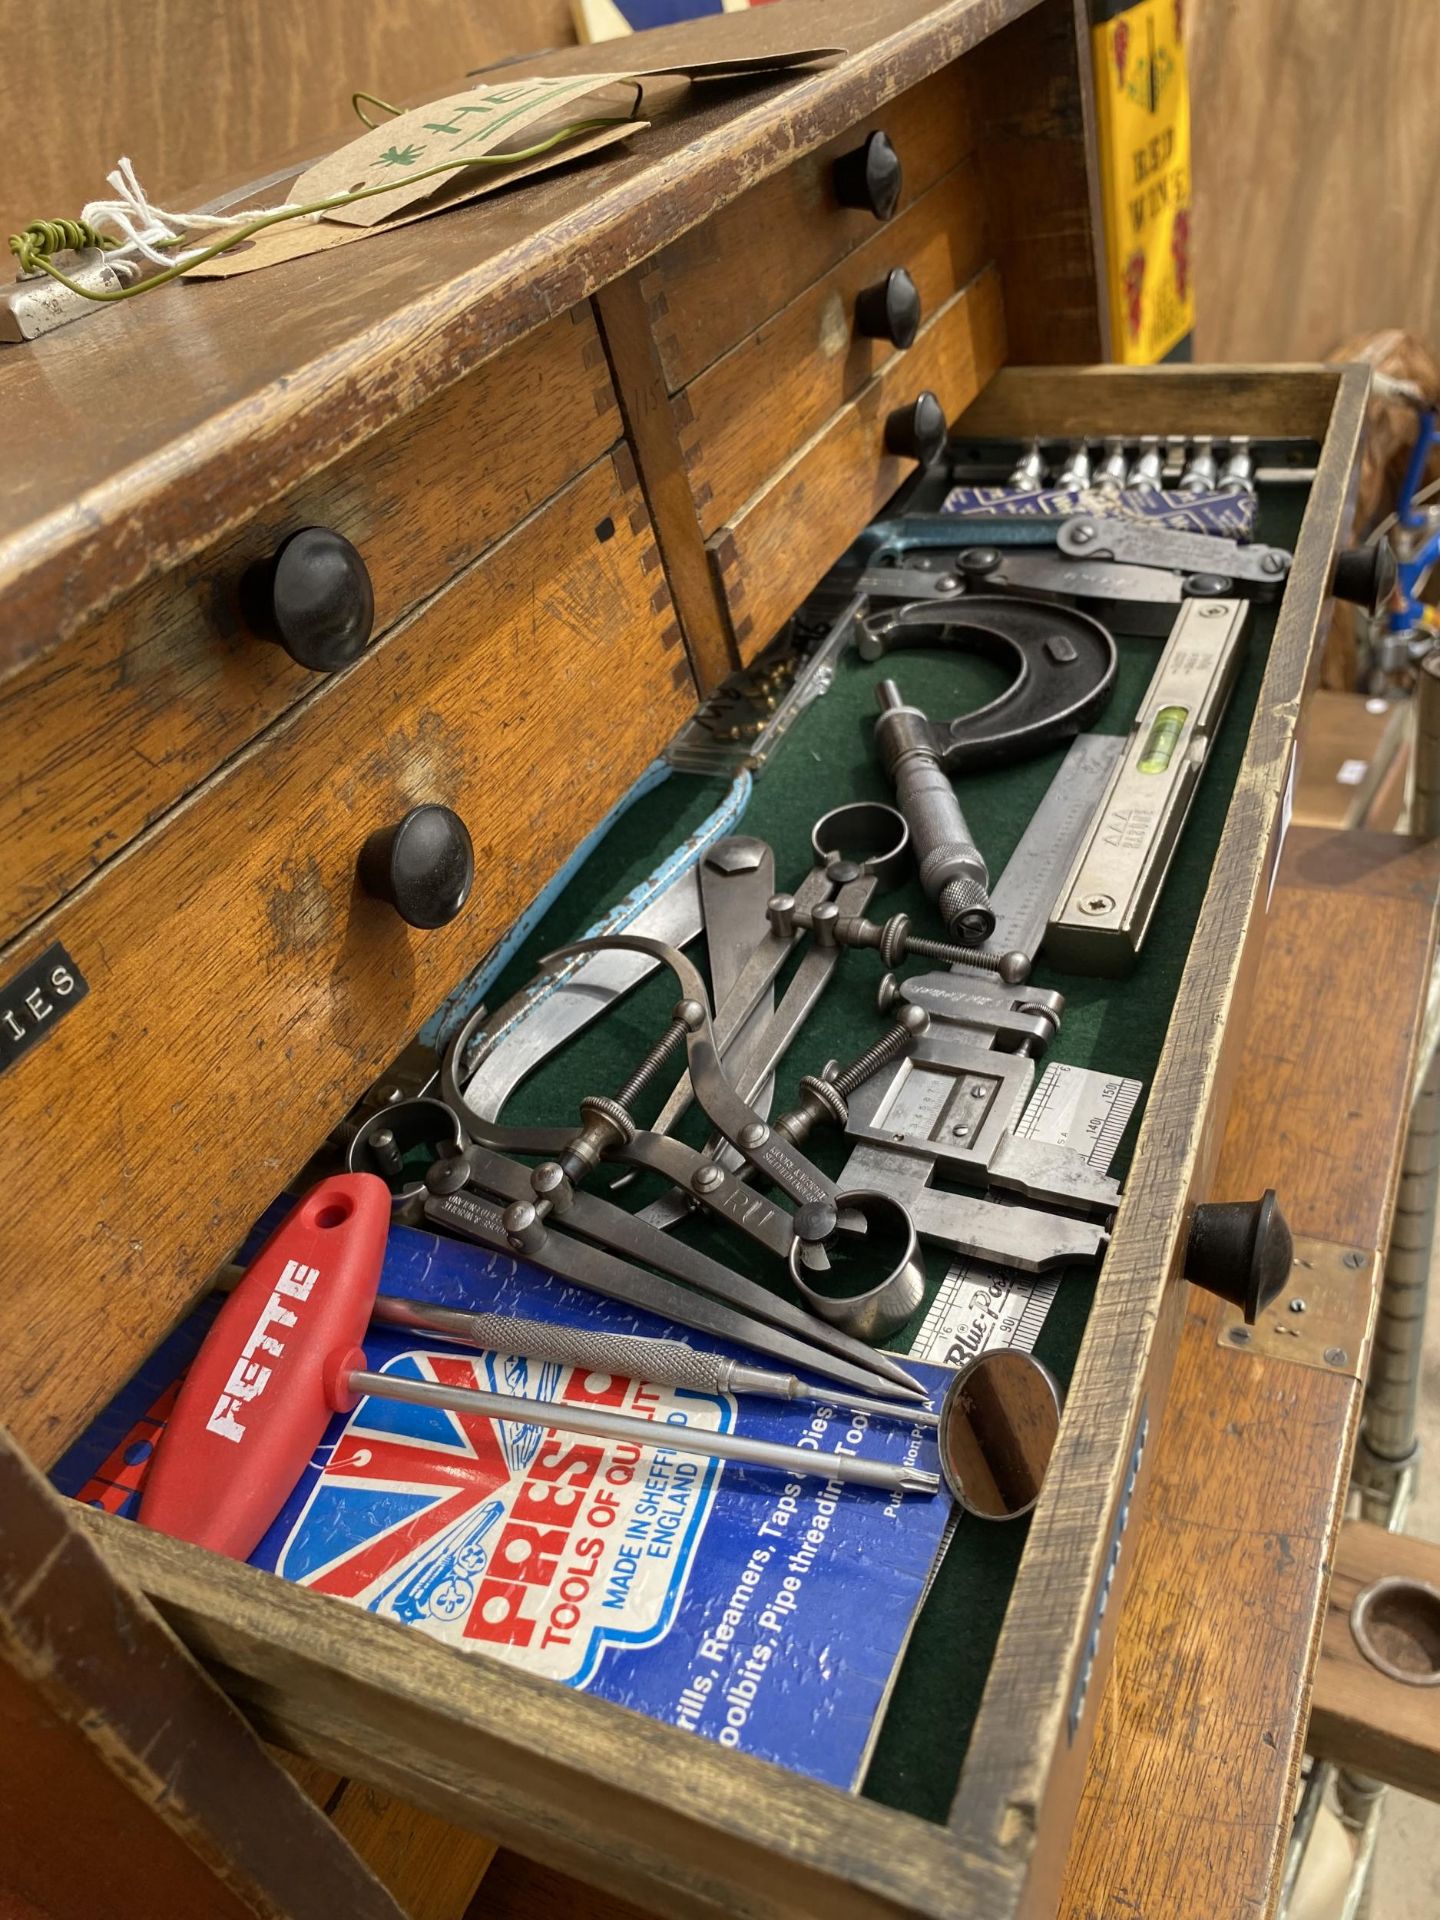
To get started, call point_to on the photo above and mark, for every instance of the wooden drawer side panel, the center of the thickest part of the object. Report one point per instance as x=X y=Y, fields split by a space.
x=718 y=282
x=742 y=419
x=1035 y=141
x=104 y=735
x=782 y=540
x=1025 y=1766
x=243 y=990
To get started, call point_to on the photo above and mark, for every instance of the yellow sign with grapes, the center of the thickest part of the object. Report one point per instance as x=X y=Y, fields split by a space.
x=1143 y=97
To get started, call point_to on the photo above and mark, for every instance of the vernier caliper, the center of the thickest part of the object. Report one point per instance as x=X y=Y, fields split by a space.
x=950 y=1106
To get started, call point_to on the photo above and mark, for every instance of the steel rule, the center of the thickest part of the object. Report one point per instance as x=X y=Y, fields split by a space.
x=1025 y=894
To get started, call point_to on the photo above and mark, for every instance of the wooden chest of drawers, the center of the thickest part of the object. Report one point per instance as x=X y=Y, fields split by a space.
x=772 y=388
x=536 y=420
x=117 y=721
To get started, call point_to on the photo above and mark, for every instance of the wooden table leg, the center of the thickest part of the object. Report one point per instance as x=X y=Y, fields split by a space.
x=1187 y=1800
x=129 y=1784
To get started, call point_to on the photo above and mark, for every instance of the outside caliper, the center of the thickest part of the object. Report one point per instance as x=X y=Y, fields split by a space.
x=803 y=1238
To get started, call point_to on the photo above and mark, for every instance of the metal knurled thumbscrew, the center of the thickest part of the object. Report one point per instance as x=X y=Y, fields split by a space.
x=893 y=939
x=607 y=1124
x=825 y=1098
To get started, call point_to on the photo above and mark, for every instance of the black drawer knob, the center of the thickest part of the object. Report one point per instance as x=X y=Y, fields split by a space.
x=890 y=310
x=870 y=178
x=313 y=596
x=1242 y=1251
x=917 y=432
x=1365 y=576
x=424 y=866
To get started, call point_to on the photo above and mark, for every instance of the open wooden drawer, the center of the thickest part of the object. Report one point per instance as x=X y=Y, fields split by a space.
x=671 y=1819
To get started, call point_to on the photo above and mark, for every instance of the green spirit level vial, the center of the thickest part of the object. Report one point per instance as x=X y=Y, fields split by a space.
x=1107 y=903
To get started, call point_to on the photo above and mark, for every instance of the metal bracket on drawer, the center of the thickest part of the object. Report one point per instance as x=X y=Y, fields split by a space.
x=1325 y=1317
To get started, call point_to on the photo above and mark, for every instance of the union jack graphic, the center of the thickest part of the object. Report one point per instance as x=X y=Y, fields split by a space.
x=405 y=1514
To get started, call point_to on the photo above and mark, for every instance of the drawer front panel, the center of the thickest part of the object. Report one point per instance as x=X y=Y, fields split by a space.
x=742 y=419
x=243 y=990
x=780 y=543
x=107 y=733
x=718 y=282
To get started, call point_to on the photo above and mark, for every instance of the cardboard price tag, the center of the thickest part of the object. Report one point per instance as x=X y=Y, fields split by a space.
x=464 y=127
x=293 y=240
x=506 y=117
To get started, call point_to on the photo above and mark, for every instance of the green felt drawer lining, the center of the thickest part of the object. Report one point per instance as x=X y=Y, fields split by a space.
x=1119 y=1027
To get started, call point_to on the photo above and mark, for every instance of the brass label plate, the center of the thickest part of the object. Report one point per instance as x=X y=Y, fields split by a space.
x=1324 y=1317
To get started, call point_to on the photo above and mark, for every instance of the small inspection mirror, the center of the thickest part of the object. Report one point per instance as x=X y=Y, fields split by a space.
x=998 y=1423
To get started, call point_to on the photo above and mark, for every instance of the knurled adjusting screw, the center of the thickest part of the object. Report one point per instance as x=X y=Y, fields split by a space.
x=608 y=1125
x=893 y=939
x=827 y=1098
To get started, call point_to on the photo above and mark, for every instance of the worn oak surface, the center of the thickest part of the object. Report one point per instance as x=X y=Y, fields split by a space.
x=624 y=318
x=243 y=991
x=747 y=319
x=1286 y=402
x=130 y=1785
x=53 y=1785
x=657 y=1815
x=1188 y=1791
x=1033 y=83
x=782 y=540
x=100 y=737
x=1362 y=1718
x=196 y=89
x=318 y=353
x=743 y=418
x=719 y=282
